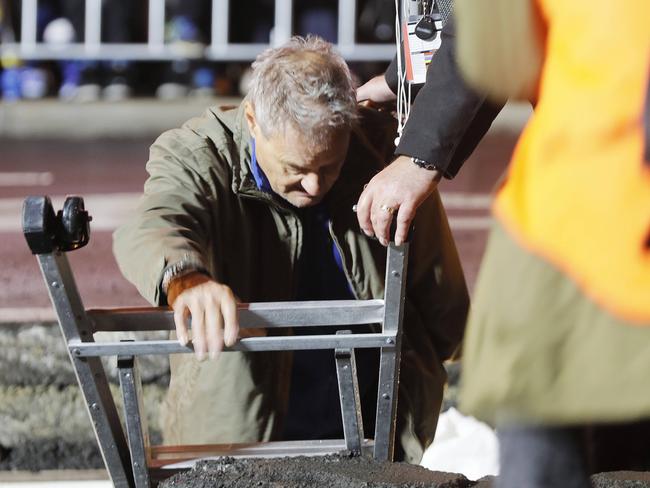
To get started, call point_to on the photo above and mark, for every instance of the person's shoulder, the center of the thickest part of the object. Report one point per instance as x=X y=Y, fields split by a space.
x=212 y=128
x=210 y=132
x=377 y=129
x=203 y=147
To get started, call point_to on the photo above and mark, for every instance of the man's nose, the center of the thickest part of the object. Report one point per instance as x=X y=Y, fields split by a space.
x=312 y=184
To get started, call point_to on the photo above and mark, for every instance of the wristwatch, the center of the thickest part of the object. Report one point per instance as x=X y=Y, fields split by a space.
x=179 y=269
x=424 y=164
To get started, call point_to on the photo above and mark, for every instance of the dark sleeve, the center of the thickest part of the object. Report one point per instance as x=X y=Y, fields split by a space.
x=447 y=119
x=391 y=75
x=391 y=79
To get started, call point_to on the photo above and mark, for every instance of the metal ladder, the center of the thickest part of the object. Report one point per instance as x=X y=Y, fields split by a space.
x=129 y=458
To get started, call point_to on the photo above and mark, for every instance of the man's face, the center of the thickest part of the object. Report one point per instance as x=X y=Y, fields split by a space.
x=298 y=170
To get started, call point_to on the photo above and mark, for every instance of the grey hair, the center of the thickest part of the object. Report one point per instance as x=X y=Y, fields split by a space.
x=304 y=84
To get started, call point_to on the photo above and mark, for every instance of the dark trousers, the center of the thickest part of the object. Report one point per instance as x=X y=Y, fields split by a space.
x=533 y=457
x=541 y=457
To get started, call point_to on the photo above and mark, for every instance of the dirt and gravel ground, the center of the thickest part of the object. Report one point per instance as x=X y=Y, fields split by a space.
x=621 y=479
x=308 y=472
x=348 y=472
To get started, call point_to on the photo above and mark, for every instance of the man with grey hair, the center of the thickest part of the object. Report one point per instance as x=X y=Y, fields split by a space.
x=255 y=204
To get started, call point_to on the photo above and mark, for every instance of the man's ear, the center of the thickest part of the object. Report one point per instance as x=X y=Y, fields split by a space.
x=249 y=112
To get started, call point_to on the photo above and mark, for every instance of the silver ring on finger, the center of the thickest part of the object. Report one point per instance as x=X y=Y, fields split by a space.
x=388 y=209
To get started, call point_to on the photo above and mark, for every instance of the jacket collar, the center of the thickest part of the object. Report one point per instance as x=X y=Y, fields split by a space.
x=243 y=181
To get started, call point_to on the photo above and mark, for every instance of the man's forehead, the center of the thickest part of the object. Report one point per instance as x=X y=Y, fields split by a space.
x=297 y=148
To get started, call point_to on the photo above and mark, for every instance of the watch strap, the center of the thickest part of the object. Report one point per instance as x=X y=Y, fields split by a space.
x=181 y=268
x=424 y=164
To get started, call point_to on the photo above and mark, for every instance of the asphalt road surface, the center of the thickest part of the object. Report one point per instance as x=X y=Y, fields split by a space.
x=110 y=175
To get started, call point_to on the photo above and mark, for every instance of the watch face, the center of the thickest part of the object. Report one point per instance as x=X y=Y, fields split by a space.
x=420 y=162
x=423 y=164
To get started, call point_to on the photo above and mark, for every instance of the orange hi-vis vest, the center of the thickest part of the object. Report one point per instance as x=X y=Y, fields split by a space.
x=578 y=189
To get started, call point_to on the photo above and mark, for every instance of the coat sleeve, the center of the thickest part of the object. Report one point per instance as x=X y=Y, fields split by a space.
x=436 y=285
x=172 y=222
x=390 y=75
x=448 y=119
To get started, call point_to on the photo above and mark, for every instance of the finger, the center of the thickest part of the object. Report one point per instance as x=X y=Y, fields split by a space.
x=198 y=331
x=405 y=216
x=363 y=212
x=213 y=328
x=381 y=220
x=181 y=320
x=369 y=103
x=362 y=93
x=230 y=319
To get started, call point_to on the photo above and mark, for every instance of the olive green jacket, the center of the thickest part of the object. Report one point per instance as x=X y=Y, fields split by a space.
x=201 y=204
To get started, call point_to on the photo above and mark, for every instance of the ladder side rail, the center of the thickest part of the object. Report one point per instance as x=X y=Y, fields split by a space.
x=390 y=352
x=135 y=418
x=352 y=419
x=90 y=373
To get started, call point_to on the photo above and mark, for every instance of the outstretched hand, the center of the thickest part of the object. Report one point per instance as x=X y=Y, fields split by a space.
x=376 y=91
x=213 y=309
x=397 y=191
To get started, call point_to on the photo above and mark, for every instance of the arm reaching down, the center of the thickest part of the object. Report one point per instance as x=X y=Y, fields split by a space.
x=172 y=228
x=213 y=309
